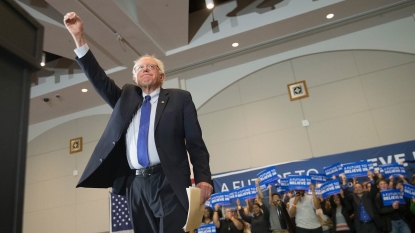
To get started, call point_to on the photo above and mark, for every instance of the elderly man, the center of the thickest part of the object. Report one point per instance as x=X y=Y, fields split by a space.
x=143 y=151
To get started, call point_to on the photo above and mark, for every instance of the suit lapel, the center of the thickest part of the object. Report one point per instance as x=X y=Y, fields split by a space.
x=162 y=102
x=135 y=101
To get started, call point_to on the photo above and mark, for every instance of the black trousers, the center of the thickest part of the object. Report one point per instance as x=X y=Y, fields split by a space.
x=153 y=206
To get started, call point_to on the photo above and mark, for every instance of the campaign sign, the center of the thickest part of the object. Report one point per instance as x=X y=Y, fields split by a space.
x=356 y=169
x=247 y=192
x=408 y=191
x=316 y=190
x=233 y=195
x=220 y=198
x=329 y=188
x=285 y=184
x=318 y=178
x=268 y=176
x=263 y=187
x=389 y=196
x=333 y=170
x=299 y=182
x=281 y=190
x=208 y=204
x=208 y=228
x=393 y=169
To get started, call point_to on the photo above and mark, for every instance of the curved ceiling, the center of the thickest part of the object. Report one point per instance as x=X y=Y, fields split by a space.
x=181 y=35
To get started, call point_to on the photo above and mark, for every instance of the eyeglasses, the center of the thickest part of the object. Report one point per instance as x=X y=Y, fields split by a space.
x=149 y=67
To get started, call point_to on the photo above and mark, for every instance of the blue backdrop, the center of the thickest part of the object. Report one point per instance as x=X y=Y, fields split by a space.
x=394 y=153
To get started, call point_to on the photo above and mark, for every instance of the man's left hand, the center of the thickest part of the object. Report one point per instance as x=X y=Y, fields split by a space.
x=205 y=191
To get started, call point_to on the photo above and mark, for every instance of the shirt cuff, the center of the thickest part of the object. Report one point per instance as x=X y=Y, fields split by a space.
x=81 y=51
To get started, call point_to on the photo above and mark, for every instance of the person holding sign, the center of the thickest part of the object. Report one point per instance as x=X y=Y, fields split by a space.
x=279 y=219
x=340 y=212
x=366 y=219
x=228 y=225
x=260 y=220
x=392 y=215
x=303 y=208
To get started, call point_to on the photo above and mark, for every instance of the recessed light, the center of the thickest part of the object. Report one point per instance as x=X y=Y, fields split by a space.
x=209 y=4
x=235 y=45
x=84 y=90
x=329 y=16
x=42 y=64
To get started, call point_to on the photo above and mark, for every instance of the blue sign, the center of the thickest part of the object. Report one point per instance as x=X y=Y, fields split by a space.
x=389 y=196
x=392 y=169
x=356 y=169
x=299 y=182
x=408 y=191
x=247 y=192
x=233 y=195
x=333 y=170
x=316 y=190
x=376 y=156
x=220 y=198
x=208 y=204
x=284 y=184
x=329 y=188
x=318 y=178
x=208 y=228
x=268 y=176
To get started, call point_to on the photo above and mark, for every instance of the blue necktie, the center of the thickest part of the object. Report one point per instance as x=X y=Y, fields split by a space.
x=142 y=143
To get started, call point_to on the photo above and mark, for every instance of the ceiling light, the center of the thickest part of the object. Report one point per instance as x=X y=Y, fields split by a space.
x=84 y=90
x=42 y=63
x=329 y=16
x=209 y=4
x=235 y=45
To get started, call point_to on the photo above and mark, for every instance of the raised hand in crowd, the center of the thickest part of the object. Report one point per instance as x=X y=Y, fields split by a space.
x=258 y=188
x=377 y=174
x=403 y=178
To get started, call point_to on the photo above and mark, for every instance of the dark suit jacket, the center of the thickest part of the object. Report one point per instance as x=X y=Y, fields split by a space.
x=367 y=199
x=175 y=122
x=386 y=212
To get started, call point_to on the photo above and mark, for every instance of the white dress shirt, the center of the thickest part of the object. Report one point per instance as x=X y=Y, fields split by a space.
x=132 y=131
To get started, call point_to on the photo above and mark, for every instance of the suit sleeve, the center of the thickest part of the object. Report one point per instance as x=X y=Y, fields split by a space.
x=105 y=86
x=244 y=216
x=382 y=209
x=195 y=145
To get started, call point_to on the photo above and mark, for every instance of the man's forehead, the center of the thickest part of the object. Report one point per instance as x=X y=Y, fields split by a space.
x=146 y=60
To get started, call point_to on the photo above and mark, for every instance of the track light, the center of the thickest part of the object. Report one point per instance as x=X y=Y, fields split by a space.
x=209 y=4
x=43 y=60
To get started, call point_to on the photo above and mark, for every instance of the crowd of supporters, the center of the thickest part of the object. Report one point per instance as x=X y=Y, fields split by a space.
x=357 y=208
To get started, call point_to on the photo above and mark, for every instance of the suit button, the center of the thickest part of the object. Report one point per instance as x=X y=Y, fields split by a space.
x=113 y=143
x=100 y=160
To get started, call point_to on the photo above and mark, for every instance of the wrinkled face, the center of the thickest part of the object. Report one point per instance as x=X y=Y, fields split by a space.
x=336 y=200
x=206 y=213
x=383 y=185
x=358 y=189
x=148 y=78
x=256 y=209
